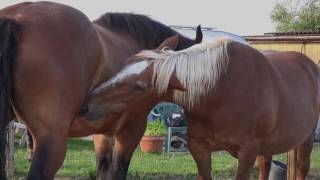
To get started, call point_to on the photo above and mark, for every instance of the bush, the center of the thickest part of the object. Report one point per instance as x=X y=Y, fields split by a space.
x=155 y=128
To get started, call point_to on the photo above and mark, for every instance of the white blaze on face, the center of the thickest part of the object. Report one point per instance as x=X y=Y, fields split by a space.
x=128 y=70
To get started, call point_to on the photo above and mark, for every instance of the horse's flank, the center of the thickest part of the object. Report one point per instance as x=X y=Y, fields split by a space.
x=198 y=68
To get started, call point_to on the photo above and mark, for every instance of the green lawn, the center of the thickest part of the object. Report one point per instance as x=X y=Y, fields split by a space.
x=80 y=164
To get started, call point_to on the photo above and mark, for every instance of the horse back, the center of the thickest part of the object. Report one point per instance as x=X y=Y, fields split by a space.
x=294 y=68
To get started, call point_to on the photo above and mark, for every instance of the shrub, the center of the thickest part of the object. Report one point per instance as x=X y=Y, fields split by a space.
x=155 y=128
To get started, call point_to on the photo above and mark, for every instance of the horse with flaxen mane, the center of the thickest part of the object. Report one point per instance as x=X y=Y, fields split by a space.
x=237 y=99
x=51 y=56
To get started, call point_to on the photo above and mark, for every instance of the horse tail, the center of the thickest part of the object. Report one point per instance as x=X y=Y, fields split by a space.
x=9 y=31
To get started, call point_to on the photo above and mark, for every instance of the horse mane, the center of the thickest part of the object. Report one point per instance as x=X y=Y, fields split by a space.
x=146 y=31
x=198 y=68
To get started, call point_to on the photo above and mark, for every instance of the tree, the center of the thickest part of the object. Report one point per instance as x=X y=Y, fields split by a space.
x=297 y=15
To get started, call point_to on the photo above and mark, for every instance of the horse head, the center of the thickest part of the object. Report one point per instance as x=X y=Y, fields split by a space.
x=131 y=85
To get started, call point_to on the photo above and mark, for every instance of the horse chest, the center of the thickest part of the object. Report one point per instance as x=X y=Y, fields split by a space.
x=216 y=137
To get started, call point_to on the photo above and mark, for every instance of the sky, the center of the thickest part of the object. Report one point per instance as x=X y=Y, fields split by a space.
x=242 y=17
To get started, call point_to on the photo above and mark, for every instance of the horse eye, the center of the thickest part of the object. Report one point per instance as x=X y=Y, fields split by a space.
x=141 y=85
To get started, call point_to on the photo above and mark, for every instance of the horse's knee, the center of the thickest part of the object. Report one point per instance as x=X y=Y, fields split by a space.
x=104 y=150
x=118 y=169
x=121 y=160
x=103 y=164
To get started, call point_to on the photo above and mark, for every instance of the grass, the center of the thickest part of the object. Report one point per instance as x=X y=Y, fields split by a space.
x=80 y=164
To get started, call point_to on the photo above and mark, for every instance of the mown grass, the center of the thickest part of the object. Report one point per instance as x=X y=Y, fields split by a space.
x=80 y=164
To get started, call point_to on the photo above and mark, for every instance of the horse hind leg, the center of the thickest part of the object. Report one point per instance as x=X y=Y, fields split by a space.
x=48 y=157
x=103 y=145
x=264 y=164
x=303 y=158
x=50 y=145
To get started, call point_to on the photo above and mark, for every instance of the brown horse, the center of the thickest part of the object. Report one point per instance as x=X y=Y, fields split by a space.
x=51 y=55
x=237 y=99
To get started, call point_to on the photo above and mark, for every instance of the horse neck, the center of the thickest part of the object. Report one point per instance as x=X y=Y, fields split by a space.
x=117 y=47
x=114 y=52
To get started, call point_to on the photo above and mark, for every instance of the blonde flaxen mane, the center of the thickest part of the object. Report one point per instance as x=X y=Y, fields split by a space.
x=198 y=68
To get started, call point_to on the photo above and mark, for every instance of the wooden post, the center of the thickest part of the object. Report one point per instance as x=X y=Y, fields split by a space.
x=10 y=151
x=291 y=165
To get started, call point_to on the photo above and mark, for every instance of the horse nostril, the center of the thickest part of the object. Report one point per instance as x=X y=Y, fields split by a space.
x=84 y=110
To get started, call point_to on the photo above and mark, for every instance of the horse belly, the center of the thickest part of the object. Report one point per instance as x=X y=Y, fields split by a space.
x=291 y=130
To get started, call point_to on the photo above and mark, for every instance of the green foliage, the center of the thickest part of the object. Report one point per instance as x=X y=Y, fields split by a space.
x=155 y=128
x=297 y=15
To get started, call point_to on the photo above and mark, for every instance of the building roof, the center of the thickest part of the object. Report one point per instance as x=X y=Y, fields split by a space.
x=209 y=33
x=286 y=37
x=293 y=33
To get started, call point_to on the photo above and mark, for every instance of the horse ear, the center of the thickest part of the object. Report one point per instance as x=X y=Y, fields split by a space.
x=171 y=42
x=199 y=35
x=175 y=83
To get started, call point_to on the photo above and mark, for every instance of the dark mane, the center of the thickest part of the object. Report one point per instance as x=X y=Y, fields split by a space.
x=146 y=31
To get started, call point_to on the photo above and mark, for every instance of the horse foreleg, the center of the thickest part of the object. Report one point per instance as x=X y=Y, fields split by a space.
x=264 y=164
x=103 y=145
x=246 y=158
x=127 y=141
x=121 y=160
x=202 y=156
x=303 y=158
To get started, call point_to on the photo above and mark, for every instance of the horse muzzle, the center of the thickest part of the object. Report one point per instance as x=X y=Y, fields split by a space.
x=87 y=114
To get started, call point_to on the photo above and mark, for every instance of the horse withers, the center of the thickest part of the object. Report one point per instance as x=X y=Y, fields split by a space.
x=237 y=99
x=51 y=56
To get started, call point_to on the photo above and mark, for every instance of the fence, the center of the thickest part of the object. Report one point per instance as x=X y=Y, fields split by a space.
x=10 y=150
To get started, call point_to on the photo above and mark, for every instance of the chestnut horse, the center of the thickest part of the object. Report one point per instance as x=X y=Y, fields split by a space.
x=236 y=99
x=51 y=55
